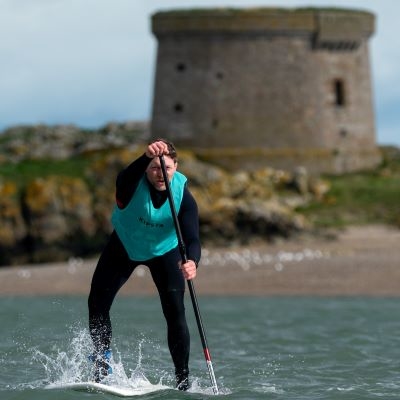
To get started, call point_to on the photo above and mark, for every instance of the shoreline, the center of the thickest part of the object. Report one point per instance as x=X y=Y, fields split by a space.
x=356 y=261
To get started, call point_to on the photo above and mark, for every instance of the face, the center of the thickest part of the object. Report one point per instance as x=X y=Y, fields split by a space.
x=155 y=175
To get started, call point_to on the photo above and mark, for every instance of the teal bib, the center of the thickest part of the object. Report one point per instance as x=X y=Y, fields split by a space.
x=147 y=232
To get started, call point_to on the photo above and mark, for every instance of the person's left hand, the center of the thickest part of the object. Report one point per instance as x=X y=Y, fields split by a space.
x=189 y=269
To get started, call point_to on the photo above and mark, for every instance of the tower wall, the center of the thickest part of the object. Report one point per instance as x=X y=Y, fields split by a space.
x=281 y=85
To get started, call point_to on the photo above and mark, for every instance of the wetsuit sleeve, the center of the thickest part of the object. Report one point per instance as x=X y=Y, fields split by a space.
x=188 y=217
x=128 y=180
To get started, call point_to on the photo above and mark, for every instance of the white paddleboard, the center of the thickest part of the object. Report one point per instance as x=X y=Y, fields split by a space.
x=121 y=391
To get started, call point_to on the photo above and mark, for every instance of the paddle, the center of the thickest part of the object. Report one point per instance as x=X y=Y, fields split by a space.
x=192 y=292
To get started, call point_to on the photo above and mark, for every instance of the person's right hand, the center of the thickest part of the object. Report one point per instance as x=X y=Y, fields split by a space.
x=156 y=149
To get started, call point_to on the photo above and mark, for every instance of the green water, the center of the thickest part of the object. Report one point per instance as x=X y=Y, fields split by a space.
x=262 y=348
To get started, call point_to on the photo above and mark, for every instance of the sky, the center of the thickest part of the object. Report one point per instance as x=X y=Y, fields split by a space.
x=90 y=62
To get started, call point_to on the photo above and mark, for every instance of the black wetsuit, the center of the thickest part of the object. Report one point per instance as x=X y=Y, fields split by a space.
x=114 y=269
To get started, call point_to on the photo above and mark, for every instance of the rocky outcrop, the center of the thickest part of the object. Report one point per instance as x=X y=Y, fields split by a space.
x=53 y=217
x=240 y=206
x=65 y=141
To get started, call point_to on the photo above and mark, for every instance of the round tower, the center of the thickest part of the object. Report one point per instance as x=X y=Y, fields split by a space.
x=280 y=87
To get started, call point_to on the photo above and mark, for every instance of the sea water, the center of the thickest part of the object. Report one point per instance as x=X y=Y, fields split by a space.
x=261 y=347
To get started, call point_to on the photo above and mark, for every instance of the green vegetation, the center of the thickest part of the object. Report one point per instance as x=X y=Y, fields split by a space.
x=361 y=198
x=23 y=172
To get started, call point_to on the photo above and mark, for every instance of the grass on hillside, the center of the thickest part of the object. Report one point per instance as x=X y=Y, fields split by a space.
x=360 y=198
x=23 y=172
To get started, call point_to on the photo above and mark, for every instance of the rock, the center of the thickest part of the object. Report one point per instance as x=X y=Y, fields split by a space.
x=58 y=213
x=198 y=172
x=300 y=180
x=55 y=217
x=12 y=225
x=246 y=204
x=64 y=141
x=319 y=188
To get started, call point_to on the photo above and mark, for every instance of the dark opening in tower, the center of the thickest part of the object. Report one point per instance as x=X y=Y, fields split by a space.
x=340 y=99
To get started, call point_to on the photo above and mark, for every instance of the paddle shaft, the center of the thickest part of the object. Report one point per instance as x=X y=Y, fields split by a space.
x=182 y=250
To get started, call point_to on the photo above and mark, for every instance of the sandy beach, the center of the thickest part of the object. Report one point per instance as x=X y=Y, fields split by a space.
x=355 y=261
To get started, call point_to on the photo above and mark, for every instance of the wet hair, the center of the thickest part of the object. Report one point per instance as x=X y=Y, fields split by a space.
x=171 y=148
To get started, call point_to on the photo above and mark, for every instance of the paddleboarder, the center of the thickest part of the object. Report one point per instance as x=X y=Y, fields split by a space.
x=144 y=234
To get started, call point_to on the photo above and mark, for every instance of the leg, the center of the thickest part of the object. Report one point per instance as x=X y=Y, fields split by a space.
x=178 y=334
x=112 y=271
x=171 y=287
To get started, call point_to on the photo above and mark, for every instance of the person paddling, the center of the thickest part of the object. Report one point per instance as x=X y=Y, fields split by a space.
x=144 y=234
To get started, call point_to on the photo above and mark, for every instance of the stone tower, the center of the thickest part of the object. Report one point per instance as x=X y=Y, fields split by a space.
x=279 y=87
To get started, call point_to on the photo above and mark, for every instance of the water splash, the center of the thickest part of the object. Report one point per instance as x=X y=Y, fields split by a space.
x=68 y=366
x=73 y=366
x=67 y=363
